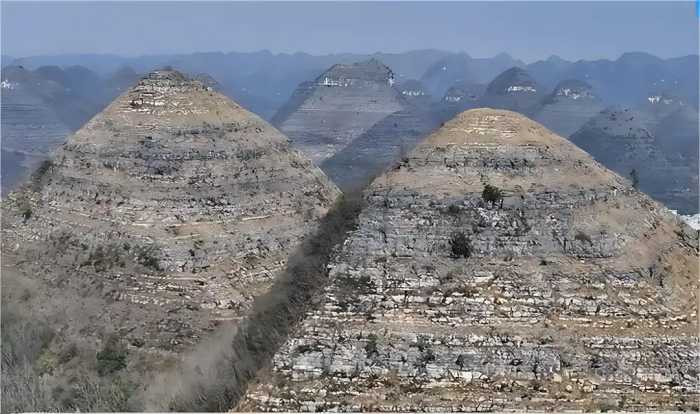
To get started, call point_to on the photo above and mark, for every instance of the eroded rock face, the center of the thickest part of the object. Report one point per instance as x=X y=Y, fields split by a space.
x=569 y=107
x=578 y=292
x=324 y=116
x=624 y=140
x=169 y=211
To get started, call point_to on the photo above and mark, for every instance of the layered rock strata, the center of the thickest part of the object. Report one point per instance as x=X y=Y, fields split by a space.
x=571 y=291
x=165 y=214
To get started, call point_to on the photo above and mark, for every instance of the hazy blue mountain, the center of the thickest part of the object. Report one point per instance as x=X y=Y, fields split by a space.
x=628 y=79
x=462 y=68
x=514 y=90
x=568 y=107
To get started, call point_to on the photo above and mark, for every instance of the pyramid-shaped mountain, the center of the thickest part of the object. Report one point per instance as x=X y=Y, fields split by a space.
x=325 y=115
x=624 y=140
x=460 y=97
x=568 y=107
x=162 y=216
x=499 y=267
x=514 y=90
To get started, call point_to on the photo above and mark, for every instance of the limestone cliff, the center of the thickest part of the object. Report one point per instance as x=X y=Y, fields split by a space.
x=162 y=216
x=569 y=289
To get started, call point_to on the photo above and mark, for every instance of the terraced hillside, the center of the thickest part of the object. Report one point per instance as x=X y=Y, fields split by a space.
x=498 y=268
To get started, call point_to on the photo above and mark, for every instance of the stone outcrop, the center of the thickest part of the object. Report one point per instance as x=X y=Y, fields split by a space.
x=624 y=140
x=569 y=107
x=324 y=116
x=164 y=215
x=572 y=291
x=514 y=90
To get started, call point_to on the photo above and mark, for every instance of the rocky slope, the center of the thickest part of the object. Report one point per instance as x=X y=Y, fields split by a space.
x=386 y=142
x=576 y=292
x=164 y=215
x=514 y=90
x=624 y=140
x=324 y=116
x=570 y=105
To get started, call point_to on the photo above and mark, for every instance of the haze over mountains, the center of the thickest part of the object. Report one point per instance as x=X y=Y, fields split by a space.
x=404 y=94
x=490 y=264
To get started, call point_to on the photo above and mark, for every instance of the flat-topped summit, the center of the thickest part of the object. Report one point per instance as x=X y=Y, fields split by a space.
x=169 y=211
x=322 y=117
x=371 y=70
x=498 y=267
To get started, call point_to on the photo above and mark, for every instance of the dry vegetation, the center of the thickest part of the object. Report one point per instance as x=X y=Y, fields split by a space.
x=47 y=368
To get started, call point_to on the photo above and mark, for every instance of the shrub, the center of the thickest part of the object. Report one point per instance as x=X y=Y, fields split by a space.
x=460 y=245
x=112 y=357
x=635 y=178
x=371 y=346
x=492 y=195
x=454 y=209
x=583 y=237
x=148 y=256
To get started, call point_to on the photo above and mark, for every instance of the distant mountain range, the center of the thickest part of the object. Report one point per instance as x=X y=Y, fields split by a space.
x=387 y=103
x=263 y=81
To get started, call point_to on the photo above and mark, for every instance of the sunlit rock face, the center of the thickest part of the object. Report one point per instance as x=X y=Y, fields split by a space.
x=514 y=90
x=164 y=215
x=623 y=140
x=577 y=292
x=322 y=117
x=570 y=105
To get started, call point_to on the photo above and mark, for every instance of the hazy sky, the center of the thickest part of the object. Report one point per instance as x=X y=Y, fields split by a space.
x=527 y=30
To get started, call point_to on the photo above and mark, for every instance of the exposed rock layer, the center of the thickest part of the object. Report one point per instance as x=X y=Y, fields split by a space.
x=578 y=292
x=169 y=211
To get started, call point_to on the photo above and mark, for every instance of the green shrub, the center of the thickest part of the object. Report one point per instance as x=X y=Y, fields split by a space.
x=492 y=195
x=371 y=346
x=112 y=357
x=460 y=245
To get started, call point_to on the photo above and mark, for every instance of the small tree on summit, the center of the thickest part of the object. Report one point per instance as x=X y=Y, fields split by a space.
x=492 y=194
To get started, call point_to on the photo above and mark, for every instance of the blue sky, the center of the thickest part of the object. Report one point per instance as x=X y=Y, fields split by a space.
x=527 y=30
